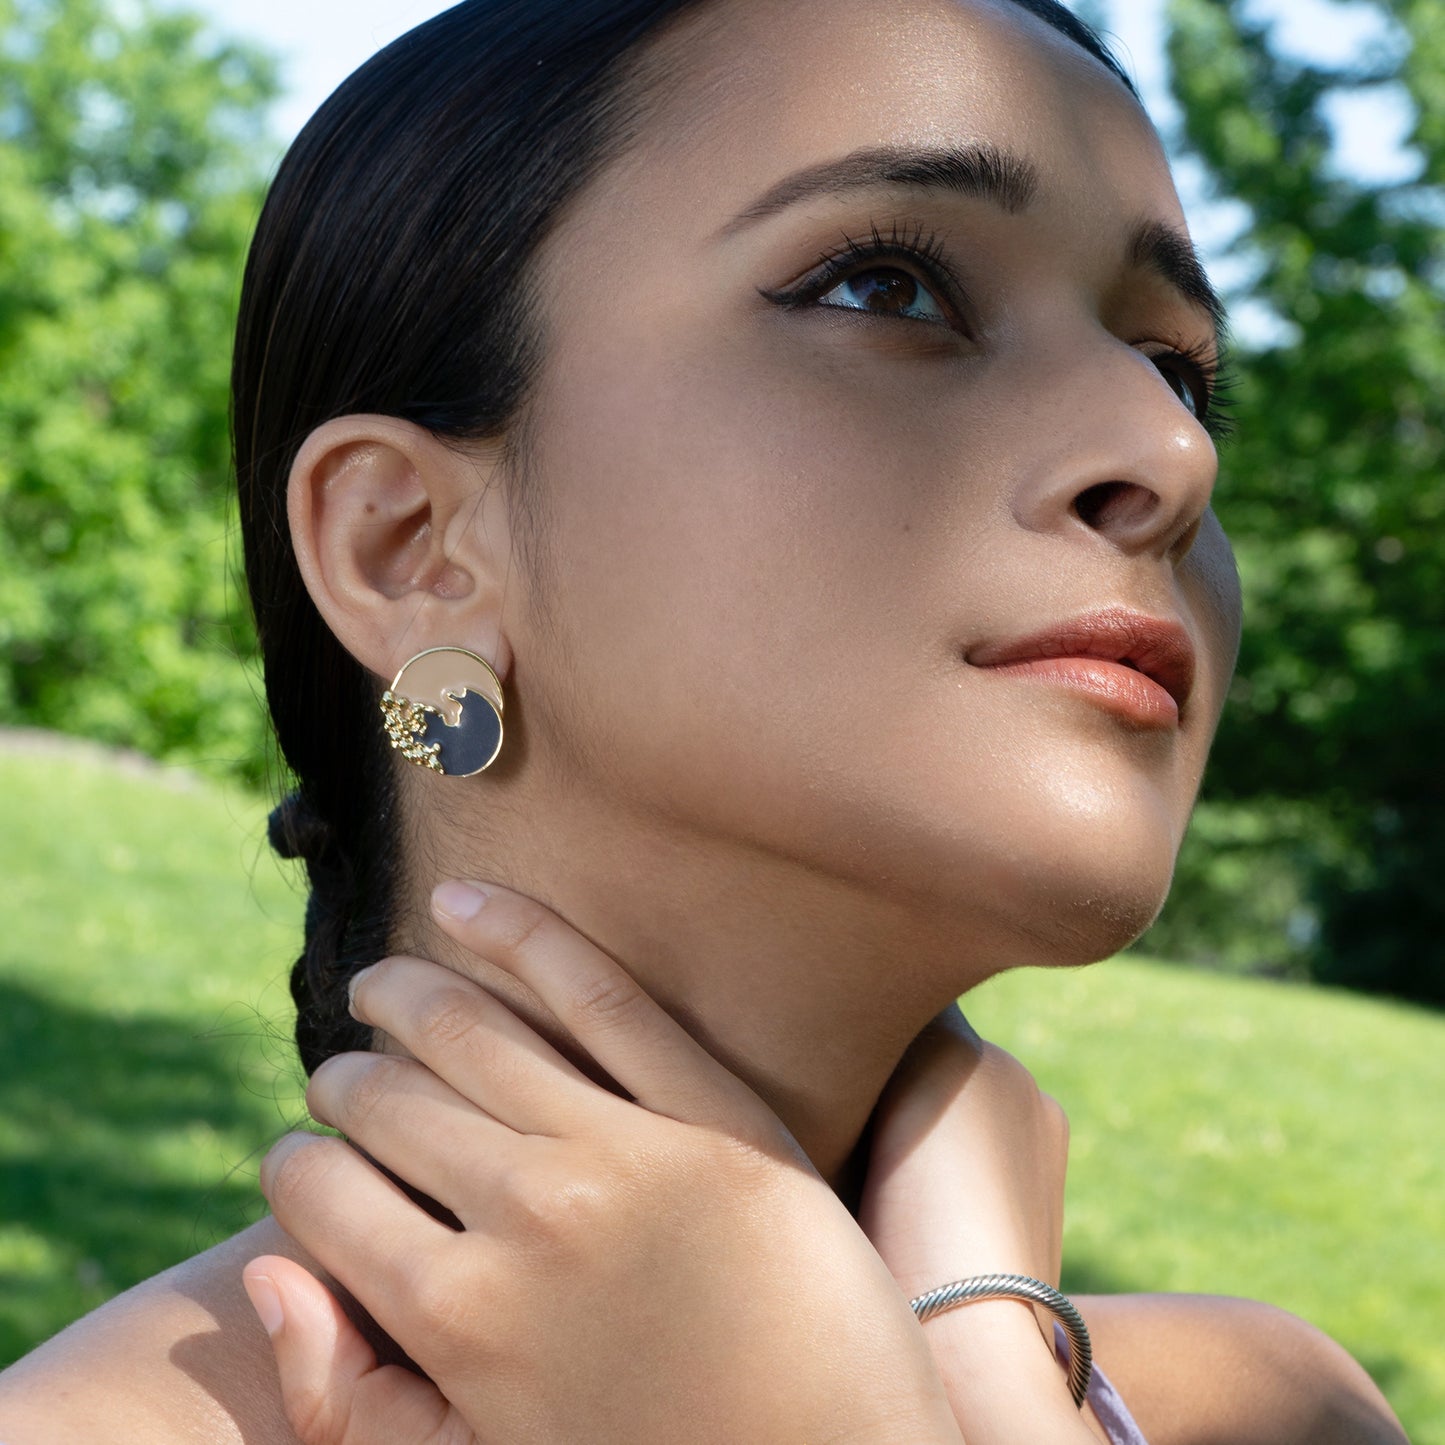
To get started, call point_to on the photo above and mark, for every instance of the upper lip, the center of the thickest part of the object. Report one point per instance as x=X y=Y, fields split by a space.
x=1160 y=649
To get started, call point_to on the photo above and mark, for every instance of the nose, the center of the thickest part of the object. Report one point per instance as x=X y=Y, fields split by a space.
x=1125 y=462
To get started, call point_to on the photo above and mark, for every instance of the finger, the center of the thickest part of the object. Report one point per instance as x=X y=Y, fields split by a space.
x=320 y=1355
x=472 y=1040
x=333 y=1390
x=359 y=1227
x=415 y=1125
x=639 y=1044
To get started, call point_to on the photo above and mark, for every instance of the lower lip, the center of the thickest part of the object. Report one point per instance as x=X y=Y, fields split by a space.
x=1114 y=687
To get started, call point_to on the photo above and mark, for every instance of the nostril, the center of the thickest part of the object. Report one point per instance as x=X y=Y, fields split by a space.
x=1108 y=506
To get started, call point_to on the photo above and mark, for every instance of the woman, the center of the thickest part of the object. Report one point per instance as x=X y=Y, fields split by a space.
x=804 y=407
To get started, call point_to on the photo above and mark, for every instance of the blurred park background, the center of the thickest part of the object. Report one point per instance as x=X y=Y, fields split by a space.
x=1271 y=1097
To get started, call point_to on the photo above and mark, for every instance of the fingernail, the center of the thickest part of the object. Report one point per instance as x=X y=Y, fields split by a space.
x=458 y=901
x=351 y=985
x=266 y=1301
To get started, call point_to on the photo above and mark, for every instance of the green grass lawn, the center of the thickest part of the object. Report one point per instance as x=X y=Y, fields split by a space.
x=145 y=934
x=1229 y=1135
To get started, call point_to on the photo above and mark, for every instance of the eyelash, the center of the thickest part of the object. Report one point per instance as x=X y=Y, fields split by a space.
x=1210 y=377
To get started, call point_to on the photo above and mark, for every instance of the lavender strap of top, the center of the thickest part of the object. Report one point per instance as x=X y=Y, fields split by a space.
x=1108 y=1405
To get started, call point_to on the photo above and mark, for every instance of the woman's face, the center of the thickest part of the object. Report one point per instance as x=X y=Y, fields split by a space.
x=795 y=515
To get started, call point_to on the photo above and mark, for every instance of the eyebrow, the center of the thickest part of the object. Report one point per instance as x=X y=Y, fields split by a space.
x=983 y=171
x=1170 y=255
x=978 y=170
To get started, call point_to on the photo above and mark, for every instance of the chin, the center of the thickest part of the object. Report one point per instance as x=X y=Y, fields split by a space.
x=1061 y=885
x=1087 y=903
x=1091 y=928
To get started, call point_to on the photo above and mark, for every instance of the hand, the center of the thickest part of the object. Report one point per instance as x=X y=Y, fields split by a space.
x=661 y=1267
x=966 y=1172
x=966 y=1177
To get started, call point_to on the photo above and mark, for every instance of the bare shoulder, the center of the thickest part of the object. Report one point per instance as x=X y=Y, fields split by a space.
x=180 y=1358
x=1211 y=1370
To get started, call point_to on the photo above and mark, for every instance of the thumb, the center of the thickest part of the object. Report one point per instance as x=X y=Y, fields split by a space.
x=333 y=1390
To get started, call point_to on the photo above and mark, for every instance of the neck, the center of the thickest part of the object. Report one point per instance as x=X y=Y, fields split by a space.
x=805 y=988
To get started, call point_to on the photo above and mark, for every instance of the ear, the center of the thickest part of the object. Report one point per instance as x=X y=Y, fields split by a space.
x=403 y=542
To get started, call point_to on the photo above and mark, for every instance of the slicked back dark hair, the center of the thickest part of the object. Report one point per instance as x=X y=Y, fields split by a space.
x=389 y=275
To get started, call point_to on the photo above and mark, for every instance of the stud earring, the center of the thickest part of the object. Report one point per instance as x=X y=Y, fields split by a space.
x=444 y=712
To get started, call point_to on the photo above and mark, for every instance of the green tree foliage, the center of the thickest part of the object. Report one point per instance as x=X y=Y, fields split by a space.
x=1327 y=765
x=130 y=154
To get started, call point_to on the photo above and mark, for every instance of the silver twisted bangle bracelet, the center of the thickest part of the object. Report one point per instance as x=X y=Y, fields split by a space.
x=1031 y=1291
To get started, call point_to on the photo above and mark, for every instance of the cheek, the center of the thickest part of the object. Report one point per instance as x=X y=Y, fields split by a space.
x=750 y=572
x=723 y=515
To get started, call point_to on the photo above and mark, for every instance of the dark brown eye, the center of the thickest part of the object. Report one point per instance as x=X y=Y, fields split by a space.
x=885 y=291
x=1193 y=391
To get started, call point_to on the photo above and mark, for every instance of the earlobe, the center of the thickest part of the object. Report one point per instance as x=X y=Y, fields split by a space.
x=379 y=512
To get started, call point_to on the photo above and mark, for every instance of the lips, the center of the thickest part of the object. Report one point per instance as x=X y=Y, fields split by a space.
x=1095 y=651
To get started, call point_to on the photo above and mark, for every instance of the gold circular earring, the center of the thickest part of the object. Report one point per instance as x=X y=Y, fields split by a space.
x=444 y=712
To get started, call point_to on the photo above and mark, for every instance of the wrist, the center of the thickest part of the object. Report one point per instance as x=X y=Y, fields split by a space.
x=1044 y=1299
x=998 y=1366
